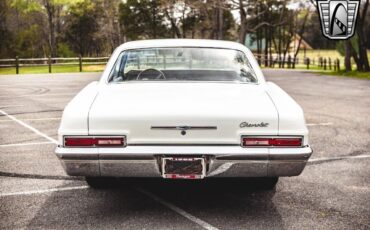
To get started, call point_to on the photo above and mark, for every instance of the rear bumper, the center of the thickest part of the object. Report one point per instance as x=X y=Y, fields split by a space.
x=223 y=161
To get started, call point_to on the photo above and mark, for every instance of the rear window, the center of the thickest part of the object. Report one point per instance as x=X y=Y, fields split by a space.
x=182 y=64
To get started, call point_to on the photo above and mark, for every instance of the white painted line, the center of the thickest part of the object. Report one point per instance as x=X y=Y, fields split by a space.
x=223 y=168
x=25 y=144
x=178 y=210
x=43 y=191
x=29 y=127
x=35 y=119
x=39 y=95
x=338 y=158
x=9 y=106
x=320 y=124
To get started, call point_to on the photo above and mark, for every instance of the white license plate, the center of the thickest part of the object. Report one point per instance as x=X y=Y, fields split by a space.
x=183 y=167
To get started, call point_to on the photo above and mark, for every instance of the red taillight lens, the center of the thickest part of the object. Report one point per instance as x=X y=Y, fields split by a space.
x=72 y=141
x=263 y=141
x=287 y=142
x=94 y=141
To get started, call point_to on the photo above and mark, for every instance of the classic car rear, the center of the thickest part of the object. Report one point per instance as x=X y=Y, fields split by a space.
x=183 y=109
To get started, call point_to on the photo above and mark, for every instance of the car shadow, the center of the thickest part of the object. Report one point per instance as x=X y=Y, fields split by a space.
x=226 y=203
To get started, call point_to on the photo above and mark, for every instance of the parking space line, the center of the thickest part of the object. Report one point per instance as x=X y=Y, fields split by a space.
x=29 y=127
x=43 y=191
x=320 y=124
x=39 y=95
x=178 y=210
x=25 y=144
x=35 y=119
x=9 y=106
x=338 y=158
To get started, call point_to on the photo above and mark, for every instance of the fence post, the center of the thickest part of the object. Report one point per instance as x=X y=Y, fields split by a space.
x=289 y=61
x=335 y=65
x=49 y=63
x=17 y=65
x=324 y=63
x=330 y=63
x=308 y=63
x=80 y=62
x=338 y=65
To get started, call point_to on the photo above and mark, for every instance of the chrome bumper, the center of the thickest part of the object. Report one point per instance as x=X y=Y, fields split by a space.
x=223 y=161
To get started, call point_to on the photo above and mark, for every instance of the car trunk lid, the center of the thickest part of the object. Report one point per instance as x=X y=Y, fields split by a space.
x=159 y=112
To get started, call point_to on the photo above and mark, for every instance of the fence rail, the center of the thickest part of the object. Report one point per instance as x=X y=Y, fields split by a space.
x=17 y=63
x=291 y=63
x=273 y=61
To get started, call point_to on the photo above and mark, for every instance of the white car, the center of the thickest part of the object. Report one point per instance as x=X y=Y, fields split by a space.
x=183 y=109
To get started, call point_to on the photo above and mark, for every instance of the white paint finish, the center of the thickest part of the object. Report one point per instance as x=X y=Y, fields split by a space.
x=29 y=127
x=74 y=119
x=178 y=210
x=291 y=117
x=26 y=144
x=132 y=108
x=32 y=192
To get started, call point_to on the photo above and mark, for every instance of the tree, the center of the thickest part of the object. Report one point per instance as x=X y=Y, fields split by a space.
x=82 y=26
x=143 y=19
x=5 y=37
x=53 y=9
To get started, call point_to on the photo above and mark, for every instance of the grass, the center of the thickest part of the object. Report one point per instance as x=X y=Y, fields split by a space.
x=55 y=69
x=343 y=73
x=315 y=54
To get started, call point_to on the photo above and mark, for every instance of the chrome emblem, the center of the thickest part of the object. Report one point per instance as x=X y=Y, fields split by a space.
x=184 y=127
x=249 y=125
x=338 y=17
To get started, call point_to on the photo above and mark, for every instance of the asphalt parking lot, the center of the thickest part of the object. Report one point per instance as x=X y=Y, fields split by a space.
x=333 y=192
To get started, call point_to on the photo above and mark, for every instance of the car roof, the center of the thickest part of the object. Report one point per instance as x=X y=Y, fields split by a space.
x=181 y=43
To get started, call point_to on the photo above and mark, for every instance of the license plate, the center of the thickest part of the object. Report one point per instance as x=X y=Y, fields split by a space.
x=183 y=168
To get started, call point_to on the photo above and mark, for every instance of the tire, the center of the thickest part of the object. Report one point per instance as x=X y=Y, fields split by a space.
x=268 y=183
x=99 y=182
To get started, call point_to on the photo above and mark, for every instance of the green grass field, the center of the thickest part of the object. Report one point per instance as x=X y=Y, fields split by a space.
x=55 y=69
x=342 y=73
x=316 y=54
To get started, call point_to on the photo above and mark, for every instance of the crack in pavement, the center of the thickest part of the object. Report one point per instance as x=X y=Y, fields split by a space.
x=50 y=177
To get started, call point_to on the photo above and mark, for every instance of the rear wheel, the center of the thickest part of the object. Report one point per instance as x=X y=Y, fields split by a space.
x=99 y=182
x=268 y=183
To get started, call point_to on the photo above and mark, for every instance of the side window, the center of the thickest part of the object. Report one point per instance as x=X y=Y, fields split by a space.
x=117 y=71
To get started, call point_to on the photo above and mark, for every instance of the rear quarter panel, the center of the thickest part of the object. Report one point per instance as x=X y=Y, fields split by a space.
x=291 y=116
x=75 y=115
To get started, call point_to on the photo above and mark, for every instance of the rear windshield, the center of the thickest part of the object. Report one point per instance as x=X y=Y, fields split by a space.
x=182 y=64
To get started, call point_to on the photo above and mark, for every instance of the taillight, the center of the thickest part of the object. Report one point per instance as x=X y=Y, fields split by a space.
x=94 y=141
x=271 y=141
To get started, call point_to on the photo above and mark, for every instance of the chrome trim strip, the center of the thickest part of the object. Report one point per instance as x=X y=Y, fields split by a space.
x=179 y=144
x=184 y=127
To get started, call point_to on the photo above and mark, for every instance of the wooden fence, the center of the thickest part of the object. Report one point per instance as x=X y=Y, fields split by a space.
x=18 y=63
x=273 y=61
